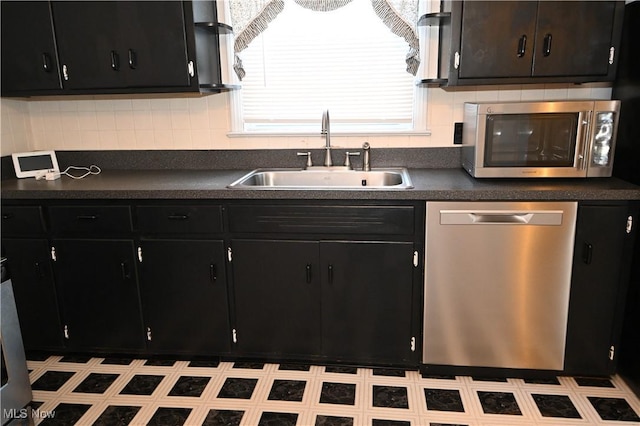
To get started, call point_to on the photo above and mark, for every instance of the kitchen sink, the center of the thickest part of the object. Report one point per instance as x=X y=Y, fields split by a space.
x=325 y=178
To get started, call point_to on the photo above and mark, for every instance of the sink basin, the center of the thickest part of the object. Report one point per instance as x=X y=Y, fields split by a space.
x=325 y=178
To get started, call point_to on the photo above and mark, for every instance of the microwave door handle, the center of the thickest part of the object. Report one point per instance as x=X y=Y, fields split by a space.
x=584 y=119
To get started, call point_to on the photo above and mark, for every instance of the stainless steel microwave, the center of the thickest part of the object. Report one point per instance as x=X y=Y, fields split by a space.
x=540 y=139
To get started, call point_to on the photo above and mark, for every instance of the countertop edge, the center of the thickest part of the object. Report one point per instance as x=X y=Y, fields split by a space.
x=429 y=184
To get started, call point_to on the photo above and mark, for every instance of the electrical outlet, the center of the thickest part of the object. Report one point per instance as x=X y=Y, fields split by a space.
x=457 y=133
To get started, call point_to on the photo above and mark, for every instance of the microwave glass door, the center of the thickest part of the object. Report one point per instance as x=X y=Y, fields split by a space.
x=531 y=140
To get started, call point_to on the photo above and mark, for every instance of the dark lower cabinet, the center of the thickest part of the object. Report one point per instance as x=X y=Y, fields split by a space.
x=35 y=293
x=277 y=294
x=98 y=290
x=348 y=301
x=183 y=286
x=598 y=287
x=366 y=301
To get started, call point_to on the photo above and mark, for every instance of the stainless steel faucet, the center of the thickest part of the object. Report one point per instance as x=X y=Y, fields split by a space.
x=366 y=159
x=326 y=131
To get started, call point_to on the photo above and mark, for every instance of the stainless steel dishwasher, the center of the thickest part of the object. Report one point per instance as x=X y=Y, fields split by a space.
x=497 y=283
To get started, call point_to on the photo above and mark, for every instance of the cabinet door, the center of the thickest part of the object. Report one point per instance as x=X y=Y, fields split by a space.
x=35 y=294
x=277 y=293
x=153 y=43
x=118 y=44
x=581 y=48
x=595 y=286
x=88 y=37
x=98 y=289
x=29 y=60
x=184 y=296
x=497 y=39
x=367 y=301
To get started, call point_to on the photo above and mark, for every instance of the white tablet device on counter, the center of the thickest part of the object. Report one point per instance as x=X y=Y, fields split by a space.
x=35 y=163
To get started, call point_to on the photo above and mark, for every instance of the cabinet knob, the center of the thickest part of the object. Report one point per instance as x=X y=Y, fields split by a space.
x=115 y=60
x=133 y=59
x=213 y=273
x=46 y=62
x=587 y=253
x=308 y=268
x=546 y=50
x=522 y=46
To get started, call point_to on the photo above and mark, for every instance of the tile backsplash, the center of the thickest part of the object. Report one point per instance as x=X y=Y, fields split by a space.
x=183 y=123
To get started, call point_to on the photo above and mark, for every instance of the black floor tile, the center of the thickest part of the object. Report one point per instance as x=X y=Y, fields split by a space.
x=238 y=388
x=249 y=365
x=117 y=361
x=294 y=367
x=169 y=416
x=489 y=379
x=160 y=362
x=78 y=359
x=444 y=400
x=333 y=421
x=66 y=414
x=338 y=393
x=545 y=381
x=36 y=356
x=96 y=383
x=223 y=418
x=446 y=424
x=117 y=415
x=206 y=364
x=390 y=397
x=438 y=376
x=614 y=409
x=287 y=390
x=556 y=406
x=142 y=384
x=52 y=380
x=499 y=403
x=384 y=422
x=389 y=372
x=189 y=386
x=597 y=382
x=278 y=419
x=339 y=369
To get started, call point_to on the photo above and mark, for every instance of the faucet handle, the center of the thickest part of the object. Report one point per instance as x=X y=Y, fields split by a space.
x=347 y=162
x=308 y=155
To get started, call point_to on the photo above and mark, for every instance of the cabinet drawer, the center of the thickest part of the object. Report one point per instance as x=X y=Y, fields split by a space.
x=179 y=219
x=94 y=219
x=17 y=220
x=397 y=220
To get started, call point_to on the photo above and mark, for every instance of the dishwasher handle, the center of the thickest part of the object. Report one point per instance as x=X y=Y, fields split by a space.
x=501 y=217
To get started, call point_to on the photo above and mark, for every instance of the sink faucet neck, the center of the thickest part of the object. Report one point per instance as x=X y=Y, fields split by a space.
x=326 y=132
x=366 y=160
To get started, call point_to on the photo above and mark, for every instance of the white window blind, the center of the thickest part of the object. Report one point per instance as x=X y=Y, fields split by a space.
x=346 y=61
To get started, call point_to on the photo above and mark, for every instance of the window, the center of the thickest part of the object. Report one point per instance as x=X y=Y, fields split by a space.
x=345 y=60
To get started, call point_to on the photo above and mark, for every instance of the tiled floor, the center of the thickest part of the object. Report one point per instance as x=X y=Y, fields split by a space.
x=113 y=391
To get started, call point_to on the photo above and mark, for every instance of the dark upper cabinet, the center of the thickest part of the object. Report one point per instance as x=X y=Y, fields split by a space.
x=124 y=44
x=105 y=47
x=29 y=57
x=496 y=42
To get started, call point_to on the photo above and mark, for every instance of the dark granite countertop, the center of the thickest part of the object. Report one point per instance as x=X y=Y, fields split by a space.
x=429 y=184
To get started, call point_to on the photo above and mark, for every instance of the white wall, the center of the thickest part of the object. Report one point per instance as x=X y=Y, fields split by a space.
x=94 y=123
